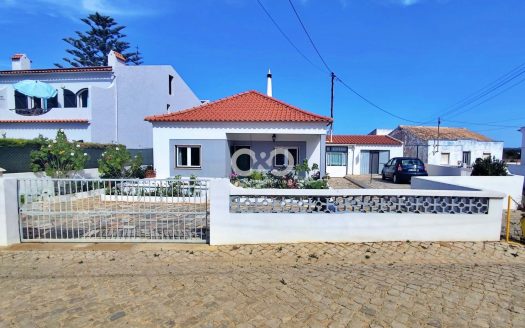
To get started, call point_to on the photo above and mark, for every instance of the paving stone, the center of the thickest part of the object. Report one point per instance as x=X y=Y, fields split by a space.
x=401 y=285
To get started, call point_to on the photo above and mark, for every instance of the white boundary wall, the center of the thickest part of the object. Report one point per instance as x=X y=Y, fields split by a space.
x=445 y=170
x=252 y=228
x=510 y=185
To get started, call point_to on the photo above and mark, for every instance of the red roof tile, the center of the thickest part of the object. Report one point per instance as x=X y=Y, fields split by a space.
x=46 y=121
x=249 y=106
x=58 y=70
x=362 y=140
x=17 y=56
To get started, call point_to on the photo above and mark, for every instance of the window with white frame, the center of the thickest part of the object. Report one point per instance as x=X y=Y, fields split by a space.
x=188 y=156
x=336 y=155
x=487 y=155
x=282 y=156
x=82 y=98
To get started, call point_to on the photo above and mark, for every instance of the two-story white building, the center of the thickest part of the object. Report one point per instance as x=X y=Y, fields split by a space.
x=95 y=104
x=446 y=146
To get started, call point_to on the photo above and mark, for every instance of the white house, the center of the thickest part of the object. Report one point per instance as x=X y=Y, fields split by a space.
x=201 y=140
x=359 y=154
x=446 y=146
x=95 y=104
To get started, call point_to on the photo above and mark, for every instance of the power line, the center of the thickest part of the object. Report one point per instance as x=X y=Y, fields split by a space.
x=374 y=104
x=286 y=36
x=485 y=90
x=482 y=124
x=490 y=98
x=309 y=37
x=339 y=79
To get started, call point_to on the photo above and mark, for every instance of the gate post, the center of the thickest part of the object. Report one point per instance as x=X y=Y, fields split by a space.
x=9 y=227
x=219 y=209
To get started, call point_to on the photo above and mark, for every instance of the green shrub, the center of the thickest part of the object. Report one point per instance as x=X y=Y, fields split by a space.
x=59 y=158
x=489 y=167
x=116 y=162
x=257 y=175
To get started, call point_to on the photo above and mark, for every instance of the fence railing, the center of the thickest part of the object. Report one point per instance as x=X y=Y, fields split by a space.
x=113 y=209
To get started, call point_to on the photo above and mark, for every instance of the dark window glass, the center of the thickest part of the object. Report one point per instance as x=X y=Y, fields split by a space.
x=83 y=98
x=20 y=100
x=411 y=162
x=195 y=156
x=52 y=102
x=37 y=102
x=70 y=99
x=170 y=84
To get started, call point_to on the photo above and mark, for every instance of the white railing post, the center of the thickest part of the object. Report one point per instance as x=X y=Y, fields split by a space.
x=219 y=208
x=9 y=229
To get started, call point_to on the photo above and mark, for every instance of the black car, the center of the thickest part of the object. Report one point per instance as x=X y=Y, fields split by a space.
x=402 y=169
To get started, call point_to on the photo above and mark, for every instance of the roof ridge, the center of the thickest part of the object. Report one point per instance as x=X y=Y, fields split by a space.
x=237 y=95
x=292 y=106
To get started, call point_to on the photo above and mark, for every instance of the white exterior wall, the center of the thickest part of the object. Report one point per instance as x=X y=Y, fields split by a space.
x=312 y=133
x=74 y=131
x=353 y=165
x=456 y=149
x=144 y=91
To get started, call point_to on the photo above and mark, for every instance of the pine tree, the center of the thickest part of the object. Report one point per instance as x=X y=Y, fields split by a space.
x=91 y=48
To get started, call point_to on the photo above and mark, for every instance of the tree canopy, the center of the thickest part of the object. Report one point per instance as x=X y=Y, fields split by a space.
x=91 y=48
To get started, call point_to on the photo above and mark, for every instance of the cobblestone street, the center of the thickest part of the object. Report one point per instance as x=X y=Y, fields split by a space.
x=401 y=284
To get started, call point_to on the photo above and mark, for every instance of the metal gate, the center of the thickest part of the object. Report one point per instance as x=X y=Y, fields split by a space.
x=113 y=210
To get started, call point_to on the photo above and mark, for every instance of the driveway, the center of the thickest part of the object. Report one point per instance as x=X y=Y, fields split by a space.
x=375 y=182
x=395 y=284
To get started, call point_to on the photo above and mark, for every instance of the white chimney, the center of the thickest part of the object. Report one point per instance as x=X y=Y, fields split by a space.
x=269 y=84
x=20 y=62
x=116 y=59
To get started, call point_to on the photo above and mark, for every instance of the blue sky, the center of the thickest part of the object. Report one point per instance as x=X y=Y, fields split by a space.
x=414 y=58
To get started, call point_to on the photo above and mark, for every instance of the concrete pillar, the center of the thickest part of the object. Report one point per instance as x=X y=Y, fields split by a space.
x=219 y=210
x=9 y=230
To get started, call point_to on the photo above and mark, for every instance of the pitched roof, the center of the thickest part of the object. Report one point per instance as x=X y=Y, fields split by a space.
x=359 y=139
x=58 y=70
x=46 y=121
x=249 y=106
x=445 y=133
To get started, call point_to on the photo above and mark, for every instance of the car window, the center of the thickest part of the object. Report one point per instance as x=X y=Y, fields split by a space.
x=412 y=161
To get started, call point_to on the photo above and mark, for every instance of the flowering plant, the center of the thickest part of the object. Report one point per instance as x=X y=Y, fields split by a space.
x=116 y=162
x=59 y=158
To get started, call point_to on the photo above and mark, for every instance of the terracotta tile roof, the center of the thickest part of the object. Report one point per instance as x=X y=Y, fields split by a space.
x=17 y=56
x=445 y=133
x=58 y=70
x=119 y=56
x=46 y=121
x=249 y=106
x=362 y=139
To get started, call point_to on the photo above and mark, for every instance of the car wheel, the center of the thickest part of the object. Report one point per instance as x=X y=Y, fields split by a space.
x=395 y=178
x=383 y=176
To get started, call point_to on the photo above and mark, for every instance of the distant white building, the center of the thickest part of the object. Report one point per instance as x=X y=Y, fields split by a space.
x=380 y=132
x=449 y=146
x=360 y=154
x=95 y=104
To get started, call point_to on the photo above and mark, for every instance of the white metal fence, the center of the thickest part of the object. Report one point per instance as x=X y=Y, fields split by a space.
x=119 y=210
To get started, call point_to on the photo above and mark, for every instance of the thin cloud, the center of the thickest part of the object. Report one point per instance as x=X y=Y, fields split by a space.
x=75 y=8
